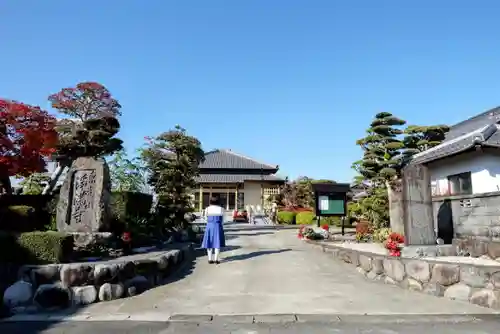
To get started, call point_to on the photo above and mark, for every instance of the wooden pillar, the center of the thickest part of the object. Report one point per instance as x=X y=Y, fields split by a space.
x=200 y=204
x=236 y=197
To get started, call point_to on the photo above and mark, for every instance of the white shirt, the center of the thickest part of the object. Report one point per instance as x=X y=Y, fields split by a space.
x=274 y=206
x=214 y=210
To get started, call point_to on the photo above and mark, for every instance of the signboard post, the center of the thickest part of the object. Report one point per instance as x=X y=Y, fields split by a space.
x=331 y=200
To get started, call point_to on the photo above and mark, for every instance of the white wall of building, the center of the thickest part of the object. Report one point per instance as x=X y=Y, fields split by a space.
x=252 y=193
x=484 y=168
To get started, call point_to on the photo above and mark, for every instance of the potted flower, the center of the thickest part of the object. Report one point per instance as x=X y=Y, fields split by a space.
x=393 y=244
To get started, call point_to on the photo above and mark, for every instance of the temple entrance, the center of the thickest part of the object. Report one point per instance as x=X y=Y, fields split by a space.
x=230 y=198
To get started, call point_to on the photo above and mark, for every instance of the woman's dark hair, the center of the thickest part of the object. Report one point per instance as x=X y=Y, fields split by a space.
x=214 y=201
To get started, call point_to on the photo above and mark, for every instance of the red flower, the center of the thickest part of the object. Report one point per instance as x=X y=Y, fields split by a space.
x=126 y=237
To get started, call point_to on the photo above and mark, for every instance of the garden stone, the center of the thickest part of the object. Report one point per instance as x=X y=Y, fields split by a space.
x=84 y=198
x=177 y=254
x=162 y=263
x=371 y=275
x=486 y=298
x=45 y=275
x=361 y=271
x=458 y=291
x=474 y=277
x=445 y=274
x=394 y=269
x=145 y=267
x=494 y=250
x=418 y=270
x=126 y=271
x=495 y=279
x=105 y=273
x=378 y=266
x=434 y=289
x=413 y=284
x=137 y=285
x=365 y=262
x=109 y=291
x=50 y=296
x=18 y=294
x=389 y=280
x=77 y=274
x=84 y=295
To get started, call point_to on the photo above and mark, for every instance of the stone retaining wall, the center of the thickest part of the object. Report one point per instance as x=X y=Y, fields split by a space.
x=63 y=285
x=477 y=284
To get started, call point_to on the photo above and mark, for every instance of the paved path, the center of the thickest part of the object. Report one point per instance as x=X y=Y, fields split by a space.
x=272 y=272
x=356 y=325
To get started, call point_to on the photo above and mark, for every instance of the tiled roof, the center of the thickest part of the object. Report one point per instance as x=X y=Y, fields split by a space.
x=226 y=159
x=474 y=123
x=487 y=135
x=235 y=178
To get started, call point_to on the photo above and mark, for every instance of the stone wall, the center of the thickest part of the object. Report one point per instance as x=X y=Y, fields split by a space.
x=476 y=222
x=477 y=284
x=59 y=286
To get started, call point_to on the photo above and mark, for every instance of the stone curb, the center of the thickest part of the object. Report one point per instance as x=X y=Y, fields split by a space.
x=267 y=319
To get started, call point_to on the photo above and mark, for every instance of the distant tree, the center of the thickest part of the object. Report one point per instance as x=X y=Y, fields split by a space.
x=172 y=160
x=34 y=184
x=127 y=174
x=299 y=193
x=27 y=137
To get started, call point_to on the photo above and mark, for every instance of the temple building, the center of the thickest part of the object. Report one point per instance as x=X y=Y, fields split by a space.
x=236 y=180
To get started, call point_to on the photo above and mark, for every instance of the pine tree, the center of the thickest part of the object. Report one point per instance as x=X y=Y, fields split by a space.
x=382 y=150
x=420 y=138
x=173 y=160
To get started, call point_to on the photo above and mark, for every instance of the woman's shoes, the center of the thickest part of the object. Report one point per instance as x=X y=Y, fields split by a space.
x=210 y=262
x=217 y=262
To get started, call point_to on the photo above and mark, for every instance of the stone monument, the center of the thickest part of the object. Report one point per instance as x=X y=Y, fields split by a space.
x=84 y=199
x=418 y=216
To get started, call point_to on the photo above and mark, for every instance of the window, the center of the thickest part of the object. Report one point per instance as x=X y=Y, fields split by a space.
x=460 y=184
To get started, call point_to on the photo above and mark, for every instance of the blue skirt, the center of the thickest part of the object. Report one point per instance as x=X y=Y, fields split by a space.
x=214 y=236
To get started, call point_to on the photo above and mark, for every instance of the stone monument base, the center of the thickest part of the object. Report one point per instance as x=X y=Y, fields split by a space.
x=416 y=251
x=85 y=239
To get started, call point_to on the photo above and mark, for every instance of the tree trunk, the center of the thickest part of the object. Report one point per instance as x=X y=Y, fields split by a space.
x=53 y=179
x=396 y=212
x=5 y=185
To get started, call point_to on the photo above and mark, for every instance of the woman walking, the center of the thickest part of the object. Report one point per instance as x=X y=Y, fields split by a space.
x=214 y=238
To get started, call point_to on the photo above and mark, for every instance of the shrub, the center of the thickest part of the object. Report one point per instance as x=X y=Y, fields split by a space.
x=35 y=247
x=129 y=210
x=363 y=232
x=125 y=204
x=364 y=228
x=304 y=218
x=381 y=235
x=286 y=217
x=23 y=218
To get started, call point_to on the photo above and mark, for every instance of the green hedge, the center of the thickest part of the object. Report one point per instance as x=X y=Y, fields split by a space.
x=35 y=247
x=304 y=218
x=130 y=204
x=23 y=218
x=286 y=217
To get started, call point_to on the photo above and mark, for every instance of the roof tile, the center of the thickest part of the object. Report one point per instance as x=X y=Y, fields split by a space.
x=231 y=160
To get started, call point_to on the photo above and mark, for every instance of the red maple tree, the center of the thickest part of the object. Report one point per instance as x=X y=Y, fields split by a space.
x=87 y=100
x=27 y=135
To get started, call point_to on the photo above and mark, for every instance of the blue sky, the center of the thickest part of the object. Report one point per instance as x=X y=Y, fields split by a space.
x=289 y=82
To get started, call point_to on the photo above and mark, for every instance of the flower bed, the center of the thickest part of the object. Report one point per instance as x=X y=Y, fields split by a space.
x=473 y=280
x=56 y=286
